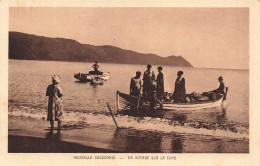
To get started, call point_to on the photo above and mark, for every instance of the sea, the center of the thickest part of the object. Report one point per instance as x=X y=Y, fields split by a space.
x=211 y=130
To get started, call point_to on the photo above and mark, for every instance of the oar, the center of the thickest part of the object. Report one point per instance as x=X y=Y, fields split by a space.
x=112 y=115
x=224 y=102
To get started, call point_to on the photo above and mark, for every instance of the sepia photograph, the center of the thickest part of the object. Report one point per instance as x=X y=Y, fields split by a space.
x=128 y=80
x=148 y=82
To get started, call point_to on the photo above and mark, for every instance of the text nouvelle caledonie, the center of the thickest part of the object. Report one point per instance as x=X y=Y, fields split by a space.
x=138 y=157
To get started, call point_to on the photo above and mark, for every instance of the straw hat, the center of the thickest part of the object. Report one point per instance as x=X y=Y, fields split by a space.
x=56 y=79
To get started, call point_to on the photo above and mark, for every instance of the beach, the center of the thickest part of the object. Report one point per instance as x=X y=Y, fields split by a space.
x=29 y=135
x=23 y=144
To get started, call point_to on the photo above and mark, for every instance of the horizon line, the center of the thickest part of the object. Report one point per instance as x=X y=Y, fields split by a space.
x=125 y=64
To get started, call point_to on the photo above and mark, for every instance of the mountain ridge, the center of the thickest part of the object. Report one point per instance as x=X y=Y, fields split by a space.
x=33 y=47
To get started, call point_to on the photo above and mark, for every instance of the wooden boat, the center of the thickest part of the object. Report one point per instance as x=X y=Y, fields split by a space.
x=128 y=102
x=83 y=77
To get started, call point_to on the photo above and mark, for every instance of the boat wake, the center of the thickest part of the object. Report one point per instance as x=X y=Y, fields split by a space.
x=230 y=130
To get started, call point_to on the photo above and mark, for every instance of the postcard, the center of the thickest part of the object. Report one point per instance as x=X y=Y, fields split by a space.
x=134 y=82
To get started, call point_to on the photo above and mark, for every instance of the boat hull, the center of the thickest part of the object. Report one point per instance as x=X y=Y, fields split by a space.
x=126 y=102
x=194 y=106
x=89 y=77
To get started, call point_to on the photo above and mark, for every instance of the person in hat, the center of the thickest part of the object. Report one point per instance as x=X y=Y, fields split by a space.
x=135 y=84
x=149 y=81
x=179 y=94
x=221 y=88
x=55 y=107
x=160 y=84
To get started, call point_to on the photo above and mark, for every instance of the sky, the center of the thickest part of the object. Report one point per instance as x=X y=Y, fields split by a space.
x=206 y=37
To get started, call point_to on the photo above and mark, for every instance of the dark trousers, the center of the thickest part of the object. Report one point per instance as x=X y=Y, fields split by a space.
x=153 y=100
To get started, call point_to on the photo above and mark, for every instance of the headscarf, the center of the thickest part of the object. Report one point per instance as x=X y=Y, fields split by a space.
x=56 y=79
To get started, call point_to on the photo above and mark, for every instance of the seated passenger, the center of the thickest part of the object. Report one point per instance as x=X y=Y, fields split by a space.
x=221 y=89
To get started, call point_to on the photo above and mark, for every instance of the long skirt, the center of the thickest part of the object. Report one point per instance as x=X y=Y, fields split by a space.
x=55 y=109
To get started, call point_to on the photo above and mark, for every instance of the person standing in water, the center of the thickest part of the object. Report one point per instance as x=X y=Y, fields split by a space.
x=135 y=84
x=148 y=79
x=179 y=94
x=160 y=84
x=55 y=107
x=149 y=86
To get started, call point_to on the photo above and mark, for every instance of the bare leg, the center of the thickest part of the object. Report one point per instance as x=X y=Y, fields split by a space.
x=52 y=124
x=59 y=124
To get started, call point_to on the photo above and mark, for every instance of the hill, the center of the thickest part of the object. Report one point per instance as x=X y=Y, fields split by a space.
x=32 y=47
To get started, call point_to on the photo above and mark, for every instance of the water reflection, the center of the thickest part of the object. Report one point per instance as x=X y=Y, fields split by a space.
x=135 y=141
x=221 y=118
x=177 y=145
x=220 y=146
x=53 y=137
x=95 y=86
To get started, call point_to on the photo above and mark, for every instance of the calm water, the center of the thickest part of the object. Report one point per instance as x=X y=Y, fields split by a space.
x=83 y=102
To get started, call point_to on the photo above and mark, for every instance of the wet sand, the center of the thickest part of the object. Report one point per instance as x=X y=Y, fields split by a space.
x=28 y=135
x=31 y=135
x=24 y=144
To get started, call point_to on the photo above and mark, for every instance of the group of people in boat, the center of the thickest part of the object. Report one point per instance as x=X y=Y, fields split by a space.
x=152 y=87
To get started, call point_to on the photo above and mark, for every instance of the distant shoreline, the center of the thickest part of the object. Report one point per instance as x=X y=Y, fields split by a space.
x=99 y=62
x=128 y=64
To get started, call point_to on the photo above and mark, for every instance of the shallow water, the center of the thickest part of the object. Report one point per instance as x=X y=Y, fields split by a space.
x=83 y=102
